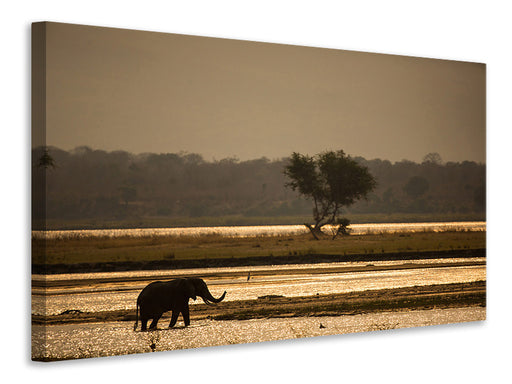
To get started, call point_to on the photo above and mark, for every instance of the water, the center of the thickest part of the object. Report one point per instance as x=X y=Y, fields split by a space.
x=261 y=230
x=73 y=341
x=96 y=292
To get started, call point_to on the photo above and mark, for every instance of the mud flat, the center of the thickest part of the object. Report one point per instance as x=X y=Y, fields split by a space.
x=275 y=306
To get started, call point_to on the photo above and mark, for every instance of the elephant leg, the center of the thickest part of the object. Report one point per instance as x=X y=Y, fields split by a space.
x=186 y=315
x=143 y=322
x=174 y=318
x=155 y=321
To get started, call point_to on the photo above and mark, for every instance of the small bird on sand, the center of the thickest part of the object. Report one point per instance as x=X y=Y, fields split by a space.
x=322 y=326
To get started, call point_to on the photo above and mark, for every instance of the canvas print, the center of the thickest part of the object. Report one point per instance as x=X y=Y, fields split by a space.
x=191 y=192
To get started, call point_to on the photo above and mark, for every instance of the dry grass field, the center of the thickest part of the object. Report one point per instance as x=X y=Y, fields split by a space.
x=162 y=248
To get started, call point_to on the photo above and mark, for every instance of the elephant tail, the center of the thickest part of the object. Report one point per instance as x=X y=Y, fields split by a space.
x=136 y=318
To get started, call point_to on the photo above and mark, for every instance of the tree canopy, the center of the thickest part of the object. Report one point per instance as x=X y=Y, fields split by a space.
x=332 y=180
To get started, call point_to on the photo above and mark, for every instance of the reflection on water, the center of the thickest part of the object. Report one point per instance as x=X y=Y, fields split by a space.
x=122 y=295
x=260 y=230
x=241 y=270
x=96 y=292
x=73 y=341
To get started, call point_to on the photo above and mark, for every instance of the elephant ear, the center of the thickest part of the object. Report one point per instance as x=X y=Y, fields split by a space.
x=190 y=289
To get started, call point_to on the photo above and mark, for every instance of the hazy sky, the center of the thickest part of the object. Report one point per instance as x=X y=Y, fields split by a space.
x=115 y=89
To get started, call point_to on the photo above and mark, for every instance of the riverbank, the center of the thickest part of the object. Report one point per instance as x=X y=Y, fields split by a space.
x=370 y=301
x=251 y=261
x=173 y=252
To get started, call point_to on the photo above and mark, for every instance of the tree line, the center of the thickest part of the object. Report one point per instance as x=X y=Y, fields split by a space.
x=84 y=183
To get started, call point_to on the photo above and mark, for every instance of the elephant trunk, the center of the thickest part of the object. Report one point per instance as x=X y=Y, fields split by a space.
x=208 y=298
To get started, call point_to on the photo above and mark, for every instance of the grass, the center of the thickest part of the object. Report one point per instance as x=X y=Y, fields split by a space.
x=126 y=249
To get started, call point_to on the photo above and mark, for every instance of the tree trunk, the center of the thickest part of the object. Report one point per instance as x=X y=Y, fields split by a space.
x=341 y=229
x=315 y=231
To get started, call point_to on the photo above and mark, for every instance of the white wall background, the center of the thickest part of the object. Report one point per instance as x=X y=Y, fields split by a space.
x=458 y=30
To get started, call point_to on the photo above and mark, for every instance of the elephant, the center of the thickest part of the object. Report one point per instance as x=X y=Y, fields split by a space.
x=162 y=296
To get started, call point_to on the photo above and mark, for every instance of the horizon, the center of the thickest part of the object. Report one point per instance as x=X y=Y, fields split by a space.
x=238 y=159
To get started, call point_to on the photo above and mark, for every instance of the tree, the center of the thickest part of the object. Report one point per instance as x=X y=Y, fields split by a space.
x=416 y=187
x=332 y=180
x=46 y=161
x=432 y=158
